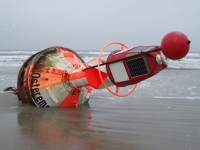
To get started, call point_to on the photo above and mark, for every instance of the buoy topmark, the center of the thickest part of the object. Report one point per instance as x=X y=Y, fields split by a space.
x=175 y=45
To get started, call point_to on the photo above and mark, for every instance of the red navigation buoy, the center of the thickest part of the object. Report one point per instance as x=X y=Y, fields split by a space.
x=59 y=77
x=175 y=45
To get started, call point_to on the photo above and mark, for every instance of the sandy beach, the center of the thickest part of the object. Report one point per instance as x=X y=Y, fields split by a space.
x=146 y=120
x=58 y=55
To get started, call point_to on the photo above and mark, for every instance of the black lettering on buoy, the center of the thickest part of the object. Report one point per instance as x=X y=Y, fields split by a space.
x=38 y=99
x=35 y=91
x=34 y=94
x=36 y=85
x=34 y=80
x=42 y=103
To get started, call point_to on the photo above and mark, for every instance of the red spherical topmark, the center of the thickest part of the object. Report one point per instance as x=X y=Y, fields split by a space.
x=175 y=45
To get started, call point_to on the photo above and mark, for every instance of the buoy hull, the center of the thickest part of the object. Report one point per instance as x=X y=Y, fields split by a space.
x=43 y=79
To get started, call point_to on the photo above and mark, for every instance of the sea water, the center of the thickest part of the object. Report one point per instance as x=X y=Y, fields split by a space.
x=180 y=79
x=15 y=58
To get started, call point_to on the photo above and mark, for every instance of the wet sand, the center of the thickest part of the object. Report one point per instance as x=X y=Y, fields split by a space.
x=146 y=124
x=138 y=122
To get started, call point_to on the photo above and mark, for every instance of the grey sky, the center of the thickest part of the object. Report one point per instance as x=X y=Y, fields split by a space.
x=89 y=24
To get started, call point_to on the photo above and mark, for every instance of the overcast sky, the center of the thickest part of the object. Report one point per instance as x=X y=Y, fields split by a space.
x=89 y=24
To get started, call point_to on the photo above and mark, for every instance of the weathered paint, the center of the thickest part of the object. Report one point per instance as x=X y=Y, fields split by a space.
x=43 y=79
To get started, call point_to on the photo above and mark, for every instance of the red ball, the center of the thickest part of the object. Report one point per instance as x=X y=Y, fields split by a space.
x=175 y=45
